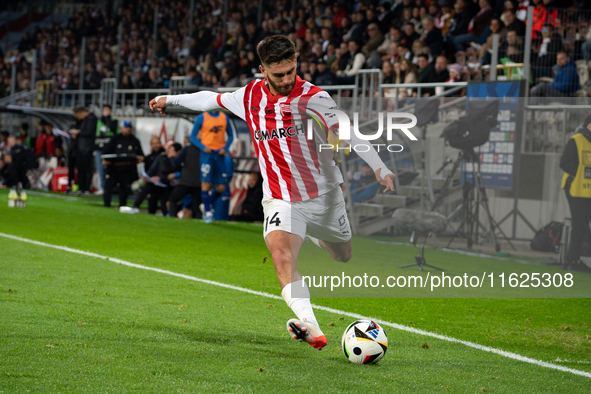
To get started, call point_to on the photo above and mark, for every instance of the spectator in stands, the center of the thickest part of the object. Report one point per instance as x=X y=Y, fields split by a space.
x=550 y=45
x=384 y=47
x=323 y=75
x=410 y=35
x=432 y=72
x=446 y=19
x=371 y=46
x=565 y=84
x=476 y=27
x=106 y=128
x=485 y=51
x=357 y=31
x=123 y=153
x=585 y=48
x=541 y=16
x=252 y=207
x=84 y=135
x=355 y=62
x=512 y=48
x=462 y=16
x=512 y=23
x=432 y=36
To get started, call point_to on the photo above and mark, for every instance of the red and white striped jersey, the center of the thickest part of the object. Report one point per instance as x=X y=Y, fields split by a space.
x=292 y=166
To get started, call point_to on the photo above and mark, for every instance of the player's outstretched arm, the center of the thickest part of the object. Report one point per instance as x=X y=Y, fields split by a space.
x=200 y=101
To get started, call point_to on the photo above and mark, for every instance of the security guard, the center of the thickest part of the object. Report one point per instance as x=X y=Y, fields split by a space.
x=121 y=156
x=576 y=163
x=106 y=128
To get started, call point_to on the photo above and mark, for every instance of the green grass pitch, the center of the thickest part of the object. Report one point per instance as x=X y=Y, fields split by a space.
x=74 y=323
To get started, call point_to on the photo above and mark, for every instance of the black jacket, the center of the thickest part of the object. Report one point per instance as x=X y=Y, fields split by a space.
x=434 y=40
x=188 y=164
x=161 y=167
x=121 y=145
x=151 y=158
x=86 y=136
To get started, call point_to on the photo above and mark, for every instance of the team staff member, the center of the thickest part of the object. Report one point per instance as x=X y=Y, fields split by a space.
x=209 y=135
x=106 y=128
x=84 y=136
x=189 y=181
x=158 y=172
x=120 y=156
x=576 y=163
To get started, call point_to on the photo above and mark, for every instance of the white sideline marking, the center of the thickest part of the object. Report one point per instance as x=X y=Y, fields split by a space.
x=499 y=352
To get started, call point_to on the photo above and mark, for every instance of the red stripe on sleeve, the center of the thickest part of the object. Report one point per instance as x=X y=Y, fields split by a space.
x=219 y=98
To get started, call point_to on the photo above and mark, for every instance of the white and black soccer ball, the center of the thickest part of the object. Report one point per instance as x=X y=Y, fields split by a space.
x=364 y=342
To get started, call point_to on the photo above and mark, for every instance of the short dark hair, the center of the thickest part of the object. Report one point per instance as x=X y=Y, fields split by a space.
x=25 y=126
x=107 y=105
x=424 y=55
x=79 y=108
x=4 y=133
x=276 y=49
x=177 y=147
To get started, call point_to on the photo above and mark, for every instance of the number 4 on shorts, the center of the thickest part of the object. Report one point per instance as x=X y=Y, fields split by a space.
x=274 y=220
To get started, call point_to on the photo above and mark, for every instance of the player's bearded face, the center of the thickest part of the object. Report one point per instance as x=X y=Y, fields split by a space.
x=282 y=77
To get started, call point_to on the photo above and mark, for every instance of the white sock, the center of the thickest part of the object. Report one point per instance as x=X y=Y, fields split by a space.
x=315 y=240
x=301 y=306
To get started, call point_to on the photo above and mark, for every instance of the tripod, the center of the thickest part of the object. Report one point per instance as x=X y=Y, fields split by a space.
x=420 y=257
x=474 y=195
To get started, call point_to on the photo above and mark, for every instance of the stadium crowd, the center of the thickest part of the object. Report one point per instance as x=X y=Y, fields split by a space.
x=335 y=41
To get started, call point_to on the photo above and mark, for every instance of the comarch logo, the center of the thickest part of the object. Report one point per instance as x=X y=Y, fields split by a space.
x=357 y=140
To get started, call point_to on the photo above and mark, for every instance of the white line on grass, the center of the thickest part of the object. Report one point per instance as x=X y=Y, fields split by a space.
x=503 y=353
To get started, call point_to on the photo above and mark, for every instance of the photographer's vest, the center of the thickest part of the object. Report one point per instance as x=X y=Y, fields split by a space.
x=581 y=184
x=103 y=134
x=213 y=131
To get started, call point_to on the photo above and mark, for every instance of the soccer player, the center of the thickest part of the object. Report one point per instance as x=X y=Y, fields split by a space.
x=209 y=135
x=301 y=189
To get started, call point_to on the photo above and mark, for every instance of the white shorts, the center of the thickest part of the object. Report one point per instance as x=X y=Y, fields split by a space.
x=323 y=217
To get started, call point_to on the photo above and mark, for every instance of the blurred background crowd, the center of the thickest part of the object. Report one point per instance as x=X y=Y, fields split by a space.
x=410 y=40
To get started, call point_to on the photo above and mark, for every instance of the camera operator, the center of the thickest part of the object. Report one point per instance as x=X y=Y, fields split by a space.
x=121 y=156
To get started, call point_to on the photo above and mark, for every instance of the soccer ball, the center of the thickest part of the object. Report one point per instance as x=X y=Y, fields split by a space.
x=364 y=342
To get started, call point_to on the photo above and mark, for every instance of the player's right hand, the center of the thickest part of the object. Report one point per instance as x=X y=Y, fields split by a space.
x=159 y=105
x=207 y=150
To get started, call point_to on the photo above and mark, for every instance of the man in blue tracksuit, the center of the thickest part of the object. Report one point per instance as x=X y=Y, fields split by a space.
x=565 y=84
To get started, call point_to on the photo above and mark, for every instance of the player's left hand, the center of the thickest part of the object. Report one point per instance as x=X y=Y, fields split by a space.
x=387 y=181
